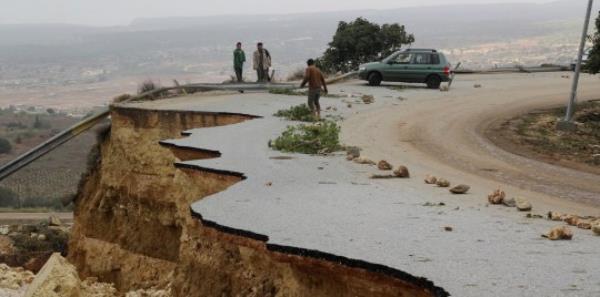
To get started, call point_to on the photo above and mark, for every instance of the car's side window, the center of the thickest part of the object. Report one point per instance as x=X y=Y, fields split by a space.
x=423 y=58
x=403 y=58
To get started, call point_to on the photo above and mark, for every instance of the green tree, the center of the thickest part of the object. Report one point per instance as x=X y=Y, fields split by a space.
x=593 y=63
x=5 y=146
x=361 y=41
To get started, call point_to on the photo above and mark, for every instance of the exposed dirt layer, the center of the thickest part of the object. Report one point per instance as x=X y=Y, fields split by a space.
x=133 y=226
x=534 y=135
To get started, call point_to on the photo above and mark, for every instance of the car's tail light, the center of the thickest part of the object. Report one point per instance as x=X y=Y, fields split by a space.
x=447 y=70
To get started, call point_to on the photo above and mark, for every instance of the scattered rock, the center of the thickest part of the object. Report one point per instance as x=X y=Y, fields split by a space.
x=349 y=105
x=496 y=197
x=523 y=205
x=477 y=86
x=368 y=99
x=442 y=183
x=352 y=152
x=269 y=184
x=460 y=189
x=555 y=216
x=448 y=229
x=509 y=202
x=444 y=88
x=571 y=219
x=559 y=233
x=596 y=227
x=430 y=179
x=6 y=246
x=534 y=216
x=4 y=229
x=14 y=278
x=384 y=165
x=41 y=237
x=402 y=172
x=584 y=224
x=364 y=161
x=54 y=221
x=57 y=278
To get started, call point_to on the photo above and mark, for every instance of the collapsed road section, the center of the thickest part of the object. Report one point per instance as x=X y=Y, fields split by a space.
x=133 y=225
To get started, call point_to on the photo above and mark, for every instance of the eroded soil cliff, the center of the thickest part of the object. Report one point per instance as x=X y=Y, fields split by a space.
x=133 y=225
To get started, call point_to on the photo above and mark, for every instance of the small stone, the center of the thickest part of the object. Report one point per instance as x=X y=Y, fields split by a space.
x=364 y=161
x=571 y=219
x=560 y=233
x=555 y=216
x=384 y=165
x=353 y=152
x=350 y=157
x=444 y=88
x=596 y=227
x=509 y=202
x=534 y=216
x=41 y=237
x=584 y=224
x=54 y=221
x=460 y=189
x=269 y=184
x=402 y=172
x=4 y=229
x=496 y=197
x=448 y=229
x=442 y=183
x=430 y=179
x=368 y=99
x=523 y=205
x=477 y=86
x=382 y=176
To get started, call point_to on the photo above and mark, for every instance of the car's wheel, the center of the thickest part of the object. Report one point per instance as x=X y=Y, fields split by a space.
x=375 y=79
x=433 y=82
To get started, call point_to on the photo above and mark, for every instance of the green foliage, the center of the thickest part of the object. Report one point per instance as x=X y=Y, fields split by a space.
x=318 y=138
x=147 y=86
x=361 y=41
x=297 y=113
x=593 y=63
x=5 y=146
x=8 y=198
x=38 y=124
x=56 y=240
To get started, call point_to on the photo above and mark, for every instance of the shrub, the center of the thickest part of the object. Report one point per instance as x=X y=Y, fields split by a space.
x=297 y=113
x=147 y=86
x=319 y=138
x=5 y=146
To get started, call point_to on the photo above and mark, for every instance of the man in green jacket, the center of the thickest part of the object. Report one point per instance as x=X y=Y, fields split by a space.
x=239 y=57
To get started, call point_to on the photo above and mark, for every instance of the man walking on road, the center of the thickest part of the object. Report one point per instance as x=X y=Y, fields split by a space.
x=262 y=62
x=239 y=57
x=315 y=79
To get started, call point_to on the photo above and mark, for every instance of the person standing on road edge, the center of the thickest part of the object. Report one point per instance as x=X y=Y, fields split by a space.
x=239 y=57
x=315 y=79
x=262 y=62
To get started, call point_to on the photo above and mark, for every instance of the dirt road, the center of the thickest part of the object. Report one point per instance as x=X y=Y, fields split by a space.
x=32 y=218
x=442 y=133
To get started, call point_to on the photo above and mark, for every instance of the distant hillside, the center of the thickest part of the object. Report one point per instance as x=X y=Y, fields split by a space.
x=55 y=54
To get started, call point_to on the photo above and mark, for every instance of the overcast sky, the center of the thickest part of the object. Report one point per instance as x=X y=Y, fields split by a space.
x=122 y=12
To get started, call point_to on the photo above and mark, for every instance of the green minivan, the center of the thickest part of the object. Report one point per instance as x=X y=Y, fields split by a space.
x=411 y=65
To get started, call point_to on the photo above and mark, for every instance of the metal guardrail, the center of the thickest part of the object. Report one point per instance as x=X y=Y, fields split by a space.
x=89 y=122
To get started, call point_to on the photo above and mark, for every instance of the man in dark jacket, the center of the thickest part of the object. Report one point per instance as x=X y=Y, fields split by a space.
x=239 y=57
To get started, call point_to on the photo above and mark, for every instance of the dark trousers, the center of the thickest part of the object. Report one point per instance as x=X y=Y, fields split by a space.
x=263 y=75
x=238 y=73
x=313 y=99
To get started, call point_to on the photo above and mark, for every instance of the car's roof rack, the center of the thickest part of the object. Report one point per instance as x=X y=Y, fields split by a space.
x=420 y=50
